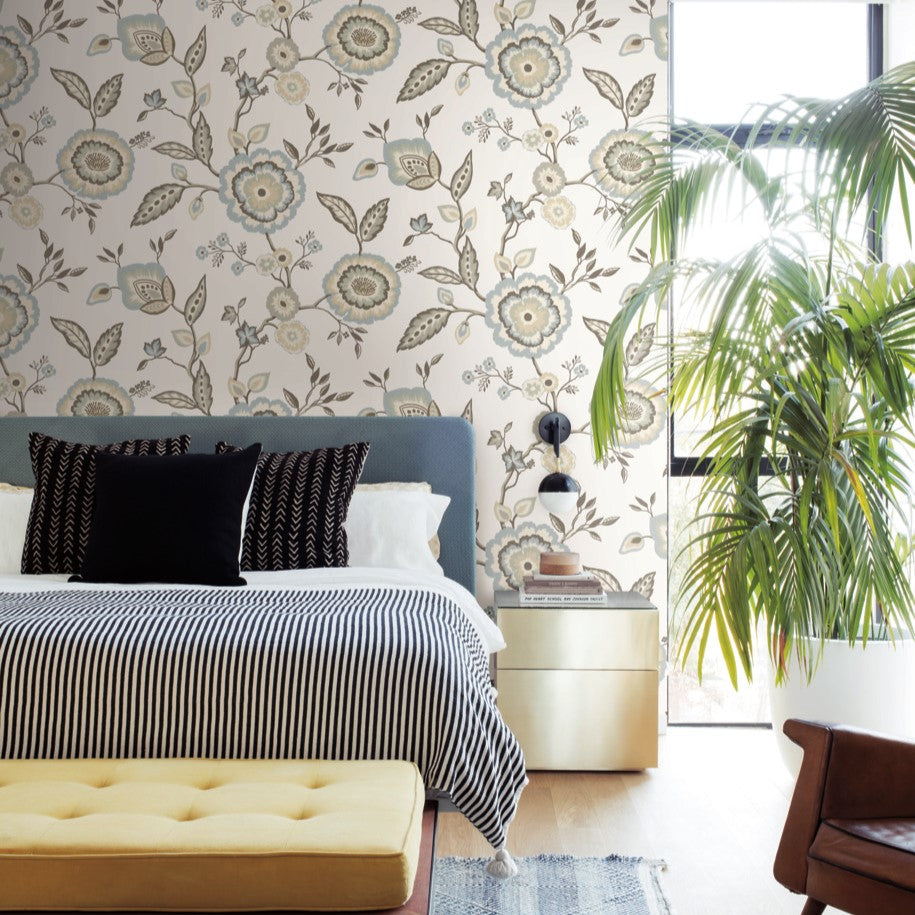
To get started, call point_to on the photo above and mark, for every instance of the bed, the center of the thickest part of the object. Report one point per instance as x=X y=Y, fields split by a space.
x=322 y=663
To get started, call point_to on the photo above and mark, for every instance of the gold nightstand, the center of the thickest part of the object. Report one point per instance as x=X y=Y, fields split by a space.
x=579 y=685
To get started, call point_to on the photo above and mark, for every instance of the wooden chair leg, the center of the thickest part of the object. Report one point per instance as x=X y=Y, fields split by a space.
x=813 y=907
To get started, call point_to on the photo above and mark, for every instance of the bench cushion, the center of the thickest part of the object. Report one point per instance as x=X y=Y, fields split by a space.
x=158 y=835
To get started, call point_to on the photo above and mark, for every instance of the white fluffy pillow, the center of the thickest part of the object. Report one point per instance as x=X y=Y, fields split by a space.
x=391 y=527
x=15 y=504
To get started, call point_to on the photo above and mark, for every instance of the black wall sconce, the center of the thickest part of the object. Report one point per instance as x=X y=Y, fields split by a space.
x=558 y=491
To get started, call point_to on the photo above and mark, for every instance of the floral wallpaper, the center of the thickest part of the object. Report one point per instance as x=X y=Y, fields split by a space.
x=304 y=207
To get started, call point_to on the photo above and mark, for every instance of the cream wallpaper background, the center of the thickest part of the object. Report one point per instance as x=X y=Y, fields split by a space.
x=294 y=206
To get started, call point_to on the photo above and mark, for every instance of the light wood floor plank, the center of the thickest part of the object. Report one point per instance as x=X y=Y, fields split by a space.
x=713 y=810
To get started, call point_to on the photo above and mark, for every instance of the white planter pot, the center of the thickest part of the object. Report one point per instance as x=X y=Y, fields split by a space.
x=872 y=688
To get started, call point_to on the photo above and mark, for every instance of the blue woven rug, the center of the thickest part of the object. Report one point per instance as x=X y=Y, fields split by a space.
x=551 y=885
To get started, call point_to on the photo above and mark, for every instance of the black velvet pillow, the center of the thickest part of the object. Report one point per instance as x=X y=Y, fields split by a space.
x=168 y=519
x=58 y=528
x=298 y=507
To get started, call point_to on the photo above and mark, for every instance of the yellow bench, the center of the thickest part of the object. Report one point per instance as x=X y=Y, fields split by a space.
x=208 y=835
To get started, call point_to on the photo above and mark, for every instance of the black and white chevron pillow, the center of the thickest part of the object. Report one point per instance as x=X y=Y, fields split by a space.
x=298 y=507
x=58 y=529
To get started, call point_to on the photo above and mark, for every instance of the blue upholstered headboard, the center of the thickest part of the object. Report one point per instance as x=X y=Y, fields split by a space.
x=439 y=450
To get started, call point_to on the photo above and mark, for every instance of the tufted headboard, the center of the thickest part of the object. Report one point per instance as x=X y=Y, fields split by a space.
x=439 y=450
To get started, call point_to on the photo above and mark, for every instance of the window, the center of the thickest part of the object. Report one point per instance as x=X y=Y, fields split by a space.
x=726 y=56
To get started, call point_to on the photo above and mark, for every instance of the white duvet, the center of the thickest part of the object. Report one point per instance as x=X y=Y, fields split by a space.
x=306 y=579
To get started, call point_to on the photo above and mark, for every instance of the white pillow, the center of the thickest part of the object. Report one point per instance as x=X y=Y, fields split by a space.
x=391 y=528
x=15 y=504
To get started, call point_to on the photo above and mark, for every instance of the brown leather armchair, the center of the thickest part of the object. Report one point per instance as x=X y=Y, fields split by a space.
x=849 y=838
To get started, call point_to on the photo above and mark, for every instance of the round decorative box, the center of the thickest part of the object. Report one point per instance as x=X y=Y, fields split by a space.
x=560 y=564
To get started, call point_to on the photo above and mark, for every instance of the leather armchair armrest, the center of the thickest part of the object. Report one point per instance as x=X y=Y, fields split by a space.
x=804 y=813
x=870 y=776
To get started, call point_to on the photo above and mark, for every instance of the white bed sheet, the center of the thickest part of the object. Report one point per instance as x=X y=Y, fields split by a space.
x=305 y=579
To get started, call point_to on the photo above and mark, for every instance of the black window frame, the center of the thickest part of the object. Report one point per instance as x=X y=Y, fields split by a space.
x=690 y=465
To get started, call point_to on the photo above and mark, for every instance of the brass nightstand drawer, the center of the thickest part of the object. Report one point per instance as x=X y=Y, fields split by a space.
x=578 y=639
x=582 y=719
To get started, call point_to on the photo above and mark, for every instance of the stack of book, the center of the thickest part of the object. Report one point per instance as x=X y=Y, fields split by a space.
x=583 y=590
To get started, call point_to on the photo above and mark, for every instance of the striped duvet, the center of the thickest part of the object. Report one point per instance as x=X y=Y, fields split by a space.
x=357 y=673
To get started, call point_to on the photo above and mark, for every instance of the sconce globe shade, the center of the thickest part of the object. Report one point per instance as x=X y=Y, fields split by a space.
x=559 y=493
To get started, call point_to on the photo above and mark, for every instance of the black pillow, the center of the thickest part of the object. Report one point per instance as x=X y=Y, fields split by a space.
x=168 y=519
x=298 y=507
x=61 y=512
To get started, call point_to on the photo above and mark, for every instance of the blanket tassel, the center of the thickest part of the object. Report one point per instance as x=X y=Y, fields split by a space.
x=502 y=865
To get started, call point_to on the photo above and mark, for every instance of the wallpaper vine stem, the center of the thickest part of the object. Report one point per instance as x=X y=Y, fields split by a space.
x=300 y=207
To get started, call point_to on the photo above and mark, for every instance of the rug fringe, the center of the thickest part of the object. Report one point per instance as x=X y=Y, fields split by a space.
x=649 y=869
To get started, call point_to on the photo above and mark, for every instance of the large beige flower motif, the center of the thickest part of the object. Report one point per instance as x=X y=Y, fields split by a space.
x=362 y=287
x=95 y=397
x=18 y=315
x=362 y=39
x=514 y=553
x=96 y=164
x=643 y=419
x=527 y=66
x=18 y=66
x=622 y=160
x=528 y=313
x=261 y=190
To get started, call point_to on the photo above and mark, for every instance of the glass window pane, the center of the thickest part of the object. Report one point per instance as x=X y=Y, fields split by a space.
x=729 y=56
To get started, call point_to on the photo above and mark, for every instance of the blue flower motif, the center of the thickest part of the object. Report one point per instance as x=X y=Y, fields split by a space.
x=580 y=121
x=48 y=121
x=247 y=86
x=261 y=406
x=201 y=252
x=467 y=127
x=247 y=335
x=489 y=115
x=489 y=364
x=467 y=377
x=141 y=284
x=410 y=402
x=47 y=370
x=514 y=211
x=154 y=348
x=314 y=245
x=238 y=18
x=238 y=268
x=504 y=143
x=504 y=392
x=201 y=4
x=420 y=224
x=515 y=552
x=580 y=370
x=154 y=99
x=409 y=162
x=141 y=35
x=222 y=239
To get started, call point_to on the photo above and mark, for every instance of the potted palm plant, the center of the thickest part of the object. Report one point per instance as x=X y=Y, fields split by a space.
x=799 y=369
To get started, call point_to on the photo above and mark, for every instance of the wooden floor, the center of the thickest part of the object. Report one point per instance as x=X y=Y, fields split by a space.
x=713 y=810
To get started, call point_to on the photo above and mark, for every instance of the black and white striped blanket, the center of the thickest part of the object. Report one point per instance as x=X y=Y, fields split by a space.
x=359 y=673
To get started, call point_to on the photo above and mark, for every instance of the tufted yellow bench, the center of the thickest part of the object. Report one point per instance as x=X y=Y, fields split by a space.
x=208 y=835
